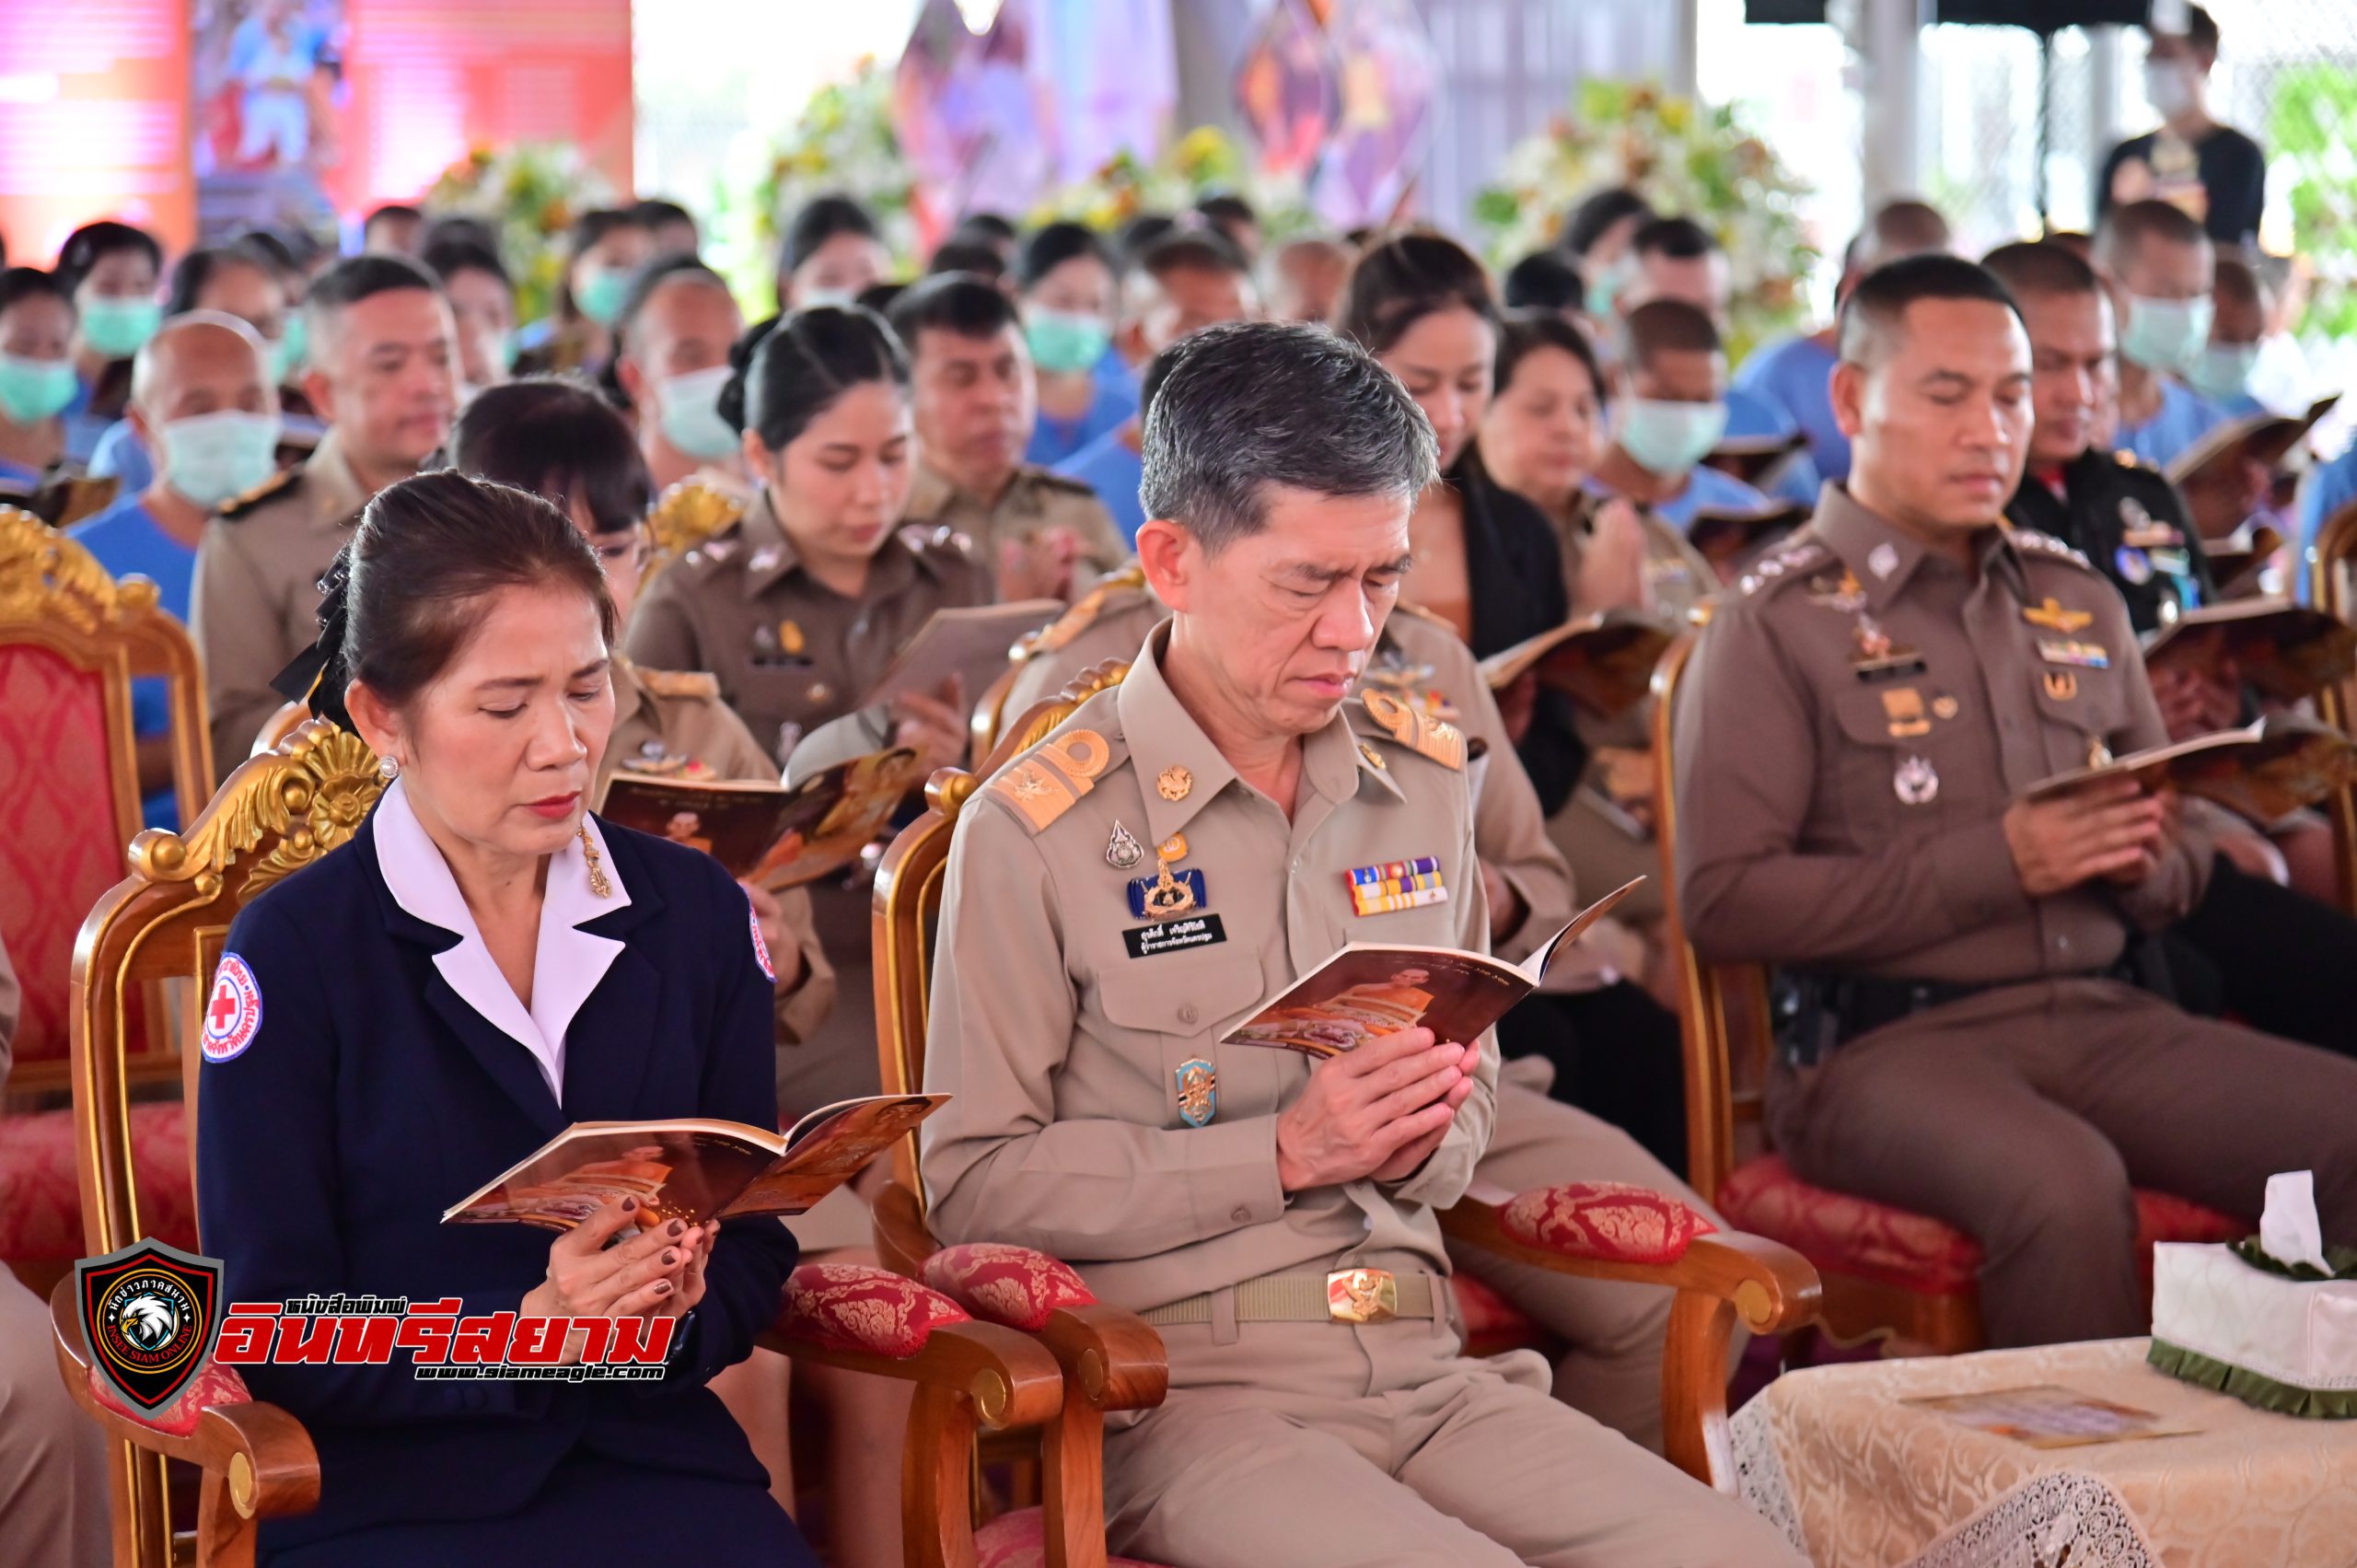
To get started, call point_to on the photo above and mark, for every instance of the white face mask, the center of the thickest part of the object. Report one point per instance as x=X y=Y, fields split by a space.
x=2173 y=88
x=840 y=298
x=2166 y=335
x=211 y=457
x=1669 y=438
x=691 y=413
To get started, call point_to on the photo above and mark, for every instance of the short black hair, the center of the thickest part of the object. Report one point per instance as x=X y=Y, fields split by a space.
x=653 y=211
x=460 y=228
x=952 y=302
x=819 y=219
x=397 y=212
x=2041 y=267
x=975 y=258
x=1668 y=326
x=1544 y=280
x=1877 y=307
x=559 y=440
x=21 y=284
x=2239 y=282
x=997 y=226
x=595 y=225
x=1599 y=213
x=1183 y=250
x=453 y=254
x=2201 y=30
x=365 y=276
x=1525 y=333
x=2124 y=230
x=1052 y=245
x=1226 y=207
x=1248 y=405
x=1679 y=239
x=1140 y=234
x=94 y=242
x=1398 y=282
x=654 y=275
x=193 y=270
x=289 y=250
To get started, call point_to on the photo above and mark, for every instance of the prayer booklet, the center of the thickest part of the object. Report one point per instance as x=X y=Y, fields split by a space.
x=974 y=641
x=771 y=835
x=2236 y=559
x=1379 y=988
x=2262 y=772
x=2263 y=438
x=2046 y=1415
x=1605 y=661
x=1723 y=536
x=693 y=1168
x=2287 y=651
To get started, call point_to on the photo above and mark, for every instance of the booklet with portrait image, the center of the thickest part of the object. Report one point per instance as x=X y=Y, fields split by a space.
x=692 y=1168
x=2288 y=652
x=2262 y=772
x=1379 y=988
x=773 y=835
x=972 y=641
x=1604 y=662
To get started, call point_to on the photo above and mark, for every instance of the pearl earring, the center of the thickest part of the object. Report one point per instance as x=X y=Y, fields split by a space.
x=388 y=768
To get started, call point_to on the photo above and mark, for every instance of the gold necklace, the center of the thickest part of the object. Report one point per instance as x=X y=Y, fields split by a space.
x=597 y=883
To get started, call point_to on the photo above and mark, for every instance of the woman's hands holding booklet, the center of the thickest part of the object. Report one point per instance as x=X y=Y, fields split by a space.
x=656 y=1273
x=1378 y=1111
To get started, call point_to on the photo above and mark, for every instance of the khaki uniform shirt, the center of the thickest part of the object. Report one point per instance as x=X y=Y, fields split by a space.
x=669 y=715
x=1679 y=576
x=255 y=602
x=1034 y=502
x=786 y=649
x=1065 y=1051
x=1856 y=720
x=1422 y=660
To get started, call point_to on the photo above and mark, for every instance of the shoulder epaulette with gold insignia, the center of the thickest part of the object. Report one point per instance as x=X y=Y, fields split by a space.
x=2047 y=544
x=1419 y=613
x=1058 y=632
x=697 y=683
x=691 y=513
x=1050 y=779
x=1793 y=560
x=279 y=483
x=1435 y=739
x=1049 y=479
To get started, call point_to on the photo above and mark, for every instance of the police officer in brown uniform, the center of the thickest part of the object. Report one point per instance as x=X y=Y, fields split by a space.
x=1132 y=887
x=976 y=402
x=382 y=348
x=1974 y=1035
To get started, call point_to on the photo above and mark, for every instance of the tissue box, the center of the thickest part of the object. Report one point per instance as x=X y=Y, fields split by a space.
x=2275 y=1342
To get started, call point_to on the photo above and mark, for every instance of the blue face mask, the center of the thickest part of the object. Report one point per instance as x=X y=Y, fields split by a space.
x=1669 y=438
x=1062 y=343
x=600 y=296
x=212 y=458
x=117 y=328
x=690 y=413
x=2221 y=372
x=34 y=389
x=286 y=354
x=2165 y=335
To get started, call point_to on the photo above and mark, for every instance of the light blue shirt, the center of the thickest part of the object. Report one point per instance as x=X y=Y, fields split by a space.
x=2183 y=418
x=126 y=539
x=1054 y=441
x=121 y=456
x=2327 y=490
x=1797 y=377
x=1107 y=466
x=1707 y=489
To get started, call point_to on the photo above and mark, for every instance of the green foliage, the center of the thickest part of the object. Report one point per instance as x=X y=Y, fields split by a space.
x=2309 y=131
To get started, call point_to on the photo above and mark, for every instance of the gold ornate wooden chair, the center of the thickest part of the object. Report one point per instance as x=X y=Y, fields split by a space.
x=1887 y=1272
x=1114 y=1360
x=278 y=727
x=71 y=640
x=2332 y=586
x=276 y=814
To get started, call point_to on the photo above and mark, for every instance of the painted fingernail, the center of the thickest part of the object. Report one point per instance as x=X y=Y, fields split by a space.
x=678 y=1225
x=629 y=1203
x=670 y=1259
x=662 y=1287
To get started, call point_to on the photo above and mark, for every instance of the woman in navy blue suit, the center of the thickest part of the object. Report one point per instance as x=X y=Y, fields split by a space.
x=484 y=964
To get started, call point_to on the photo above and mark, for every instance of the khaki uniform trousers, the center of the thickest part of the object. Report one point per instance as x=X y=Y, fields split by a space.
x=1616 y=1331
x=1329 y=1445
x=53 y=1461
x=2026 y=1116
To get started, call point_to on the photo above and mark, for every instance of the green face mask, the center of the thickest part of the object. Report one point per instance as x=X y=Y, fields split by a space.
x=116 y=327
x=600 y=296
x=1062 y=343
x=33 y=390
x=286 y=354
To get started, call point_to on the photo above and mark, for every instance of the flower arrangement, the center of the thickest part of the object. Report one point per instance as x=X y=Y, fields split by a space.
x=1205 y=161
x=528 y=195
x=1683 y=157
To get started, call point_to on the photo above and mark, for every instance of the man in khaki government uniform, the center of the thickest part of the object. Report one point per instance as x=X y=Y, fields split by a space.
x=976 y=402
x=382 y=351
x=1976 y=1036
x=1135 y=885
x=1616 y=1332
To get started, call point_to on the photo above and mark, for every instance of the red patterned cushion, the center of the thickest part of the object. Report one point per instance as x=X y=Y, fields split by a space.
x=1847 y=1235
x=40 y=1203
x=1020 y=1540
x=1609 y=1221
x=215 y=1385
x=850 y=1306
x=1010 y=1285
x=60 y=842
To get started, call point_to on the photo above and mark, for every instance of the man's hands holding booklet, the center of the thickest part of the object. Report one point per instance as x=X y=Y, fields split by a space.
x=2107 y=827
x=1377 y=1111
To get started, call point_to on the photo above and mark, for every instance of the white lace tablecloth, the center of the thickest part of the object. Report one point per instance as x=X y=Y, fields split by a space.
x=1859 y=1480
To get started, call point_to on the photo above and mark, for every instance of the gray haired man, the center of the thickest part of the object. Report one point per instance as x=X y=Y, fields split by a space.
x=1135 y=885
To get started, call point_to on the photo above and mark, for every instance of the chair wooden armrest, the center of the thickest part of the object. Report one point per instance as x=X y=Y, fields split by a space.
x=256 y=1460
x=1721 y=1276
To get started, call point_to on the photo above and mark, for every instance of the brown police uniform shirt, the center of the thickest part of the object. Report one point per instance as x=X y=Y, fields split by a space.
x=1033 y=501
x=1063 y=1023
x=1420 y=659
x=787 y=649
x=665 y=718
x=255 y=602
x=1856 y=720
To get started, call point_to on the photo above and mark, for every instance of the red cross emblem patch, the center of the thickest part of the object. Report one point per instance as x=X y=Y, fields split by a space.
x=233 y=1012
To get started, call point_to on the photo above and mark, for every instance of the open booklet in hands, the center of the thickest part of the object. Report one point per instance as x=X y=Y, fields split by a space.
x=771 y=835
x=1379 y=988
x=1604 y=662
x=2263 y=773
x=2287 y=652
x=693 y=1168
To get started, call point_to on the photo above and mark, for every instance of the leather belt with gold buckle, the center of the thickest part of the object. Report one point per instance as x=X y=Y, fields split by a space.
x=1362 y=1296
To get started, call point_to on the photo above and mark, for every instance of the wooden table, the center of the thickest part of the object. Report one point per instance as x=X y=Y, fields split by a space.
x=1860 y=1479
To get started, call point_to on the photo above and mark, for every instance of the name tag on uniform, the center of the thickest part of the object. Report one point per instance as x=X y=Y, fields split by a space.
x=1173 y=935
